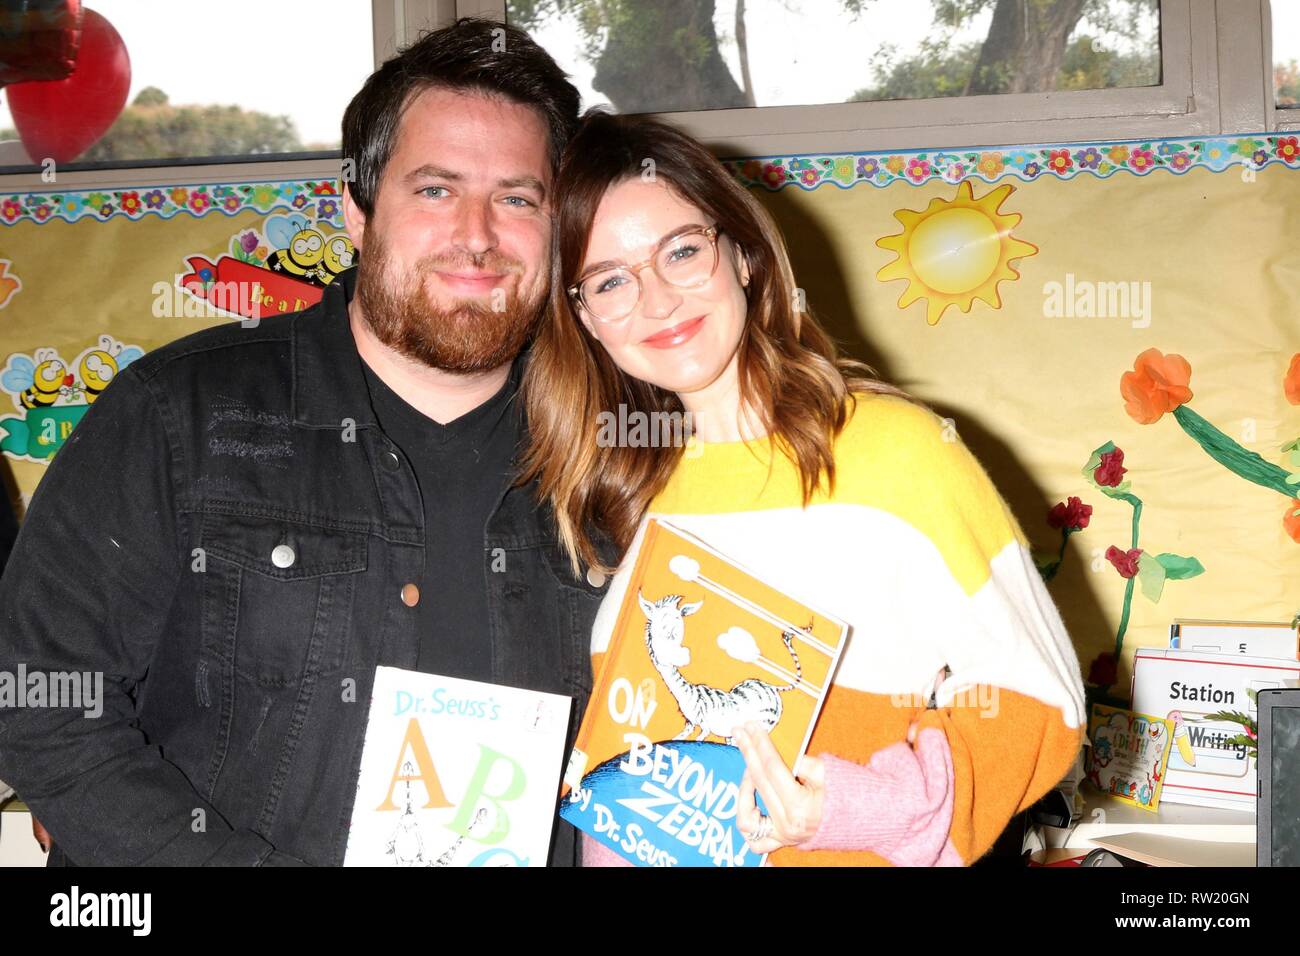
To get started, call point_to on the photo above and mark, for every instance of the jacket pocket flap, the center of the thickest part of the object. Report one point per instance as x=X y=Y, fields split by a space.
x=282 y=549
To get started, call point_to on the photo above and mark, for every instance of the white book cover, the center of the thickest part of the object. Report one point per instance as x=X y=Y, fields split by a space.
x=456 y=773
x=1254 y=638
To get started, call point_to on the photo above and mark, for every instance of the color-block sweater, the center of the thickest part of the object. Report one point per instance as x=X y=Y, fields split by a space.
x=917 y=551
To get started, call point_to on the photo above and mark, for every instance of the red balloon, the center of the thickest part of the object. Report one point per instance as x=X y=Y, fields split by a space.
x=61 y=119
x=38 y=39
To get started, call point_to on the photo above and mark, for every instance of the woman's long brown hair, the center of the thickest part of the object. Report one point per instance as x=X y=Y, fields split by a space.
x=791 y=375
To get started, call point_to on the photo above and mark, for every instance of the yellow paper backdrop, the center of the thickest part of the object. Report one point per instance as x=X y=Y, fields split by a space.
x=1212 y=227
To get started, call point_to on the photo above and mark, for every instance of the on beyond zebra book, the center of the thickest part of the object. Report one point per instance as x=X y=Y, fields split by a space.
x=699 y=647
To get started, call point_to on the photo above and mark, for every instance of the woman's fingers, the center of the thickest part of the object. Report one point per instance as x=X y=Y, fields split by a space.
x=794 y=805
x=748 y=818
x=769 y=845
x=757 y=773
x=768 y=768
x=781 y=792
x=747 y=812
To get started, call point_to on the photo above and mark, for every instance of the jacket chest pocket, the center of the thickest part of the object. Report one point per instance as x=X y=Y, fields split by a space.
x=278 y=596
x=579 y=599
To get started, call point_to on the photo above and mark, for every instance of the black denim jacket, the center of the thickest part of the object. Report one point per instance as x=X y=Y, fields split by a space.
x=236 y=685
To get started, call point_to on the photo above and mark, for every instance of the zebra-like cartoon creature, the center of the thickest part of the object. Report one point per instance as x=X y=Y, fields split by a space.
x=406 y=846
x=711 y=710
x=449 y=855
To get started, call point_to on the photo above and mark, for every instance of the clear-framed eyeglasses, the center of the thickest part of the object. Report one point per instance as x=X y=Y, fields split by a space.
x=684 y=261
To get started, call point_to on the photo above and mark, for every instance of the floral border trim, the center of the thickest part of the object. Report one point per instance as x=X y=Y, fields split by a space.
x=317 y=198
x=1059 y=161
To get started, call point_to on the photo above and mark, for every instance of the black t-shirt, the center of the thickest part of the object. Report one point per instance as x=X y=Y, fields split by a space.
x=462 y=468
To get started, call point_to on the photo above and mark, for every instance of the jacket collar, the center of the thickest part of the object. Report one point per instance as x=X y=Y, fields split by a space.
x=329 y=384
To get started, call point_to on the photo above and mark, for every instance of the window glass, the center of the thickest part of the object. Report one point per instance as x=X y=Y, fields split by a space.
x=239 y=78
x=725 y=54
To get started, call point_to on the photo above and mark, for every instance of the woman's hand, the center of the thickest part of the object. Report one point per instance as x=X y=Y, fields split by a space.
x=794 y=806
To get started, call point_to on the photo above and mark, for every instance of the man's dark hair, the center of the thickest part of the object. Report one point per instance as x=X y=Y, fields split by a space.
x=472 y=55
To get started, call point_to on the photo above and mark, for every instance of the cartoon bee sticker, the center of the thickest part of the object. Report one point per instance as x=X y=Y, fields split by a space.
x=302 y=247
x=99 y=366
x=338 y=257
x=39 y=383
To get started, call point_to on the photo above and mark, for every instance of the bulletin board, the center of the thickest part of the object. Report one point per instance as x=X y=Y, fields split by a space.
x=1109 y=326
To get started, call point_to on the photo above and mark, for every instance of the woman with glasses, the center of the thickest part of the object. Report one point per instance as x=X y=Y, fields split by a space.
x=958 y=700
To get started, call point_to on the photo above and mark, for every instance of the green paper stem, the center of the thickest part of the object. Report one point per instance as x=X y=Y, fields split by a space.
x=1123 y=619
x=1136 y=502
x=1240 y=461
x=1050 y=570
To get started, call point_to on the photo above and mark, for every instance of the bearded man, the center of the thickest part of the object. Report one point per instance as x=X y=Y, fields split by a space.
x=251 y=519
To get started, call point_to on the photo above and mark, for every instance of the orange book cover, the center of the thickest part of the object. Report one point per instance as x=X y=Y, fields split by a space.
x=699 y=646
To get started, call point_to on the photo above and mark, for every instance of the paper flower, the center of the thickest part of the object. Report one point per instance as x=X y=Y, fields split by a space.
x=1104 y=670
x=1126 y=562
x=1068 y=519
x=1291 y=520
x=1074 y=515
x=1110 y=471
x=1157 y=384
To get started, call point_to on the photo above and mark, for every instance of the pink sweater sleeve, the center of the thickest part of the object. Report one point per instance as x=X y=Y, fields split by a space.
x=595 y=853
x=899 y=805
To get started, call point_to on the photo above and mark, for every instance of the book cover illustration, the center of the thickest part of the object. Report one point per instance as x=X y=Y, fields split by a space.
x=699 y=646
x=456 y=773
x=1129 y=754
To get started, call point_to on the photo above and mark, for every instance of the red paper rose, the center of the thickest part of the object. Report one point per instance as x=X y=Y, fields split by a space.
x=1111 y=470
x=1103 y=670
x=1126 y=562
x=1073 y=515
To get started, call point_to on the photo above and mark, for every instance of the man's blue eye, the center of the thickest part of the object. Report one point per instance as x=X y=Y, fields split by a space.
x=526 y=202
x=426 y=189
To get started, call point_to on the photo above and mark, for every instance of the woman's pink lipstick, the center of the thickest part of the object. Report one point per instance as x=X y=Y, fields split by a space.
x=675 y=336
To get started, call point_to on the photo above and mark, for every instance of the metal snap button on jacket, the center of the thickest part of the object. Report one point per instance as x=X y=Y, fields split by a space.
x=595 y=578
x=390 y=461
x=410 y=595
x=282 y=556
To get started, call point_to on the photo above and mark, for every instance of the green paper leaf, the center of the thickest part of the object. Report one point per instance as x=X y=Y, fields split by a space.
x=1151 y=575
x=1179 y=568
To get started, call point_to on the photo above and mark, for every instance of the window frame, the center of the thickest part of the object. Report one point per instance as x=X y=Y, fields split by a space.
x=1212 y=63
x=395 y=23
x=1219 y=82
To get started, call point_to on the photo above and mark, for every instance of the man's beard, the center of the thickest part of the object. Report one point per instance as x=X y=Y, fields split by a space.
x=468 y=336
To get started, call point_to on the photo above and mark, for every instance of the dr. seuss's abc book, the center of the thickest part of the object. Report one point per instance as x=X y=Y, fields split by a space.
x=1130 y=752
x=699 y=647
x=456 y=773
